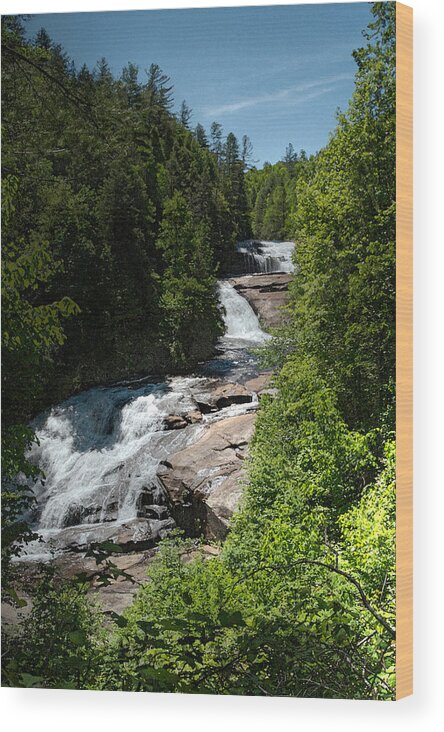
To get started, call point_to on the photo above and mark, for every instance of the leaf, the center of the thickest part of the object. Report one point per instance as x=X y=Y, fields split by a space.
x=29 y=681
x=18 y=601
x=109 y=547
x=148 y=628
x=158 y=674
x=176 y=624
x=118 y=619
x=228 y=620
x=78 y=637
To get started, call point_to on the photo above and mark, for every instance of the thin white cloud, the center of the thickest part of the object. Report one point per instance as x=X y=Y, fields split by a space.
x=292 y=95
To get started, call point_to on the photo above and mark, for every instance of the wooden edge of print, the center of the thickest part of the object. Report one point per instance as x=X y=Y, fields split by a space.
x=404 y=350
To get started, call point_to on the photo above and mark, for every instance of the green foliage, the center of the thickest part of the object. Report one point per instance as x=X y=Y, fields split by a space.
x=273 y=198
x=31 y=330
x=96 y=163
x=60 y=640
x=31 y=333
x=17 y=499
x=189 y=299
x=343 y=296
x=368 y=536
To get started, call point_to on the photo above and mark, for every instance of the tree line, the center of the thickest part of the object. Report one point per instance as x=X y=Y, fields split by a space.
x=273 y=193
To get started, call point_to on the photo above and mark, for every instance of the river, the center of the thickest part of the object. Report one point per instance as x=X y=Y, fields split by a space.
x=101 y=449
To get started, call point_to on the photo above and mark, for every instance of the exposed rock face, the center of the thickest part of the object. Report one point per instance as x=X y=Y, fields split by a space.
x=222 y=395
x=179 y=421
x=261 y=384
x=267 y=294
x=133 y=535
x=204 y=481
x=194 y=417
x=113 y=597
x=175 y=422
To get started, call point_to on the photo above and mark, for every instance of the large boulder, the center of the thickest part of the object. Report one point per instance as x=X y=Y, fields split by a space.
x=267 y=295
x=204 y=481
x=136 y=534
x=221 y=395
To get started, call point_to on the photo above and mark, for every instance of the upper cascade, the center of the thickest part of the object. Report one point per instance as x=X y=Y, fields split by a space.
x=265 y=257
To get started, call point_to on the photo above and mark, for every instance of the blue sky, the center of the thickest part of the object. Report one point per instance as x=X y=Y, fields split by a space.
x=275 y=73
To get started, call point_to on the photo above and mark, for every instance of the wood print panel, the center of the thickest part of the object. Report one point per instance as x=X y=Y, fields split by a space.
x=404 y=351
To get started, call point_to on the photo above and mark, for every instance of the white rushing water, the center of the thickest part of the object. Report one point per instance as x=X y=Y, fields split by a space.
x=240 y=319
x=100 y=450
x=266 y=257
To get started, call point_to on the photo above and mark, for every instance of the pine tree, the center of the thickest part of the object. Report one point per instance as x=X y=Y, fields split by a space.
x=185 y=114
x=247 y=151
x=216 y=140
x=201 y=135
x=42 y=39
x=290 y=157
x=133 y=89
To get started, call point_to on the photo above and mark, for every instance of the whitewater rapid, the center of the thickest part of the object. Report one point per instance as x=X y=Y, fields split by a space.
x=241 y=321
x=266 y=257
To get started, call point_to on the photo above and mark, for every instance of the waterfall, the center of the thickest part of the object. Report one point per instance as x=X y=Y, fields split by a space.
x=240 y=319
x=265 y=257
x=101 y=450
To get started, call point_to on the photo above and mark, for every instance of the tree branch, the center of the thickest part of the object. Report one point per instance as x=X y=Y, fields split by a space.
x=77 y=101
x=331 y=568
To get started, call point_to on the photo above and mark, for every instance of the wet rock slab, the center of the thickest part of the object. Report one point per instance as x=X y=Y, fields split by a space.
x=220 y=395
x=204 y=481
x=267 y=295
x=134 y=534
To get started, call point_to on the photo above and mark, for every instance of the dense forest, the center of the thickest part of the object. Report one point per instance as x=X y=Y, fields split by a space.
x=116 y=216
x=273 y=194
x=116 y=212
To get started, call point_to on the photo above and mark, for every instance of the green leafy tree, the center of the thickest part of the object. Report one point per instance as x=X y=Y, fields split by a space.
x=188 y=304
x=31 y=333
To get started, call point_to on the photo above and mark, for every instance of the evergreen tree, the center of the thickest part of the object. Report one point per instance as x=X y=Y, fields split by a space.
x=247 y=151
x=201 y=136
x=130 y=83
x=42 y=39
x=185 y=114
x=216 y=140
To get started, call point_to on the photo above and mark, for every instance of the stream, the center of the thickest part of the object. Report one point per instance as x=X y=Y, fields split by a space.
x=100 y=450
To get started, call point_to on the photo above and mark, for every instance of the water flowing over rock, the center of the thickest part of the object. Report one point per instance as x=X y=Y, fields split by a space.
x=266 y=294
x=265 y=257
x=240 y=319
x=129 y=462
x=261 y=257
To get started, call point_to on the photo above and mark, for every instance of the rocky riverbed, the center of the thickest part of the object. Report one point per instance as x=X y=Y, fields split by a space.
x=128 y=463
